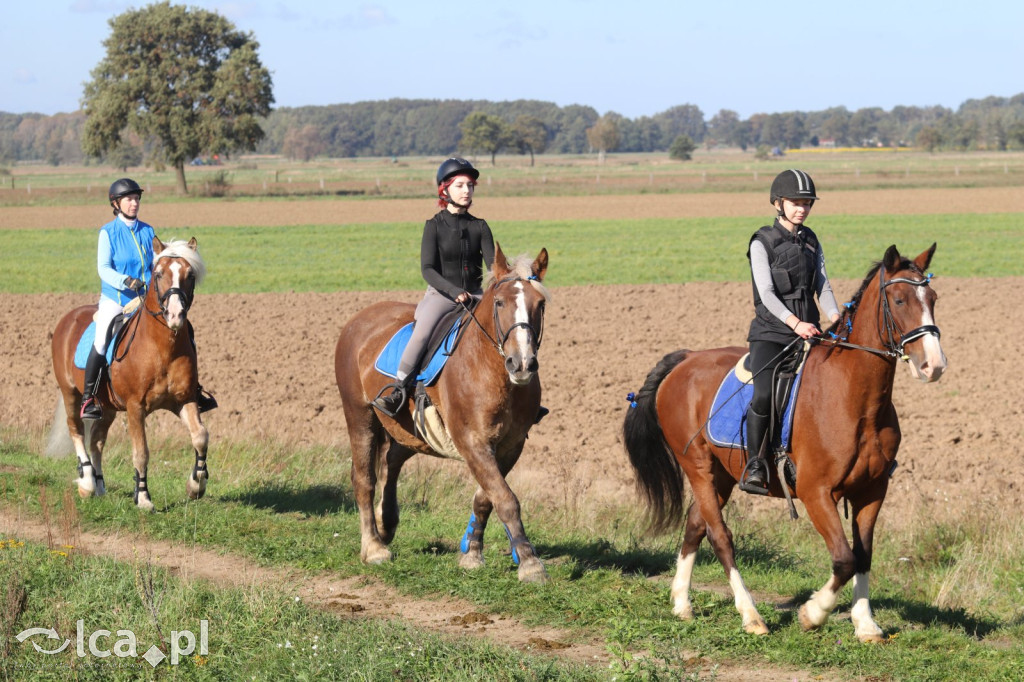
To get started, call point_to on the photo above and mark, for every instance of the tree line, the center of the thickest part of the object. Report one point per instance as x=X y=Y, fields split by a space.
x=407 y=127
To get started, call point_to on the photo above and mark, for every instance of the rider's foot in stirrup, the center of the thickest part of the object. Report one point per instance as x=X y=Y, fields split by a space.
x=755 y=477
x=204 y=401
x=91 y=408
x=391 y=403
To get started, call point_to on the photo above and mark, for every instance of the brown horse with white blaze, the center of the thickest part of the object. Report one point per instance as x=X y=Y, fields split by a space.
x=845 y=437
x=153 y=368
x=488 y=396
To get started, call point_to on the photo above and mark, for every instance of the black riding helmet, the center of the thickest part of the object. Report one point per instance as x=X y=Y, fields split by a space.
x=456 y=166
x=122 y=188
x=792 y=184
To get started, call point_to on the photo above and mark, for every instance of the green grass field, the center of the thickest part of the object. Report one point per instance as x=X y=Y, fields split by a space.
x=327 y=258
x=275 y=508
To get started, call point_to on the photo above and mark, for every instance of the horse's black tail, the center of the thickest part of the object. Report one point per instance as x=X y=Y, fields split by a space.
x=658 y=476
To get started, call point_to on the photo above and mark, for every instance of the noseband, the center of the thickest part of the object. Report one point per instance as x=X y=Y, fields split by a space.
x=892 y=329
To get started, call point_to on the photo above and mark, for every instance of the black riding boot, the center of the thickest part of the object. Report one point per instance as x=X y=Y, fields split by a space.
x=755 y=475
x=394 y=401
x=93 y=371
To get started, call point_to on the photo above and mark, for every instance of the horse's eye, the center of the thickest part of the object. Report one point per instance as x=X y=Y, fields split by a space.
x=499 y=303
x=898 y=301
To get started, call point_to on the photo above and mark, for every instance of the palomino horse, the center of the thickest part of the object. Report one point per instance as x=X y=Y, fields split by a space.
x=488 y=396
x=154 y=367
x=844 y=440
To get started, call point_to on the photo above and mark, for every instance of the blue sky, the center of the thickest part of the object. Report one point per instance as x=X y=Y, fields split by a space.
x=632 y=58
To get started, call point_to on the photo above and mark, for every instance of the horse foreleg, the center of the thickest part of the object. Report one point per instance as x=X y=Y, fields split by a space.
x=86 y=481
x=821 y=509
x=140 y=455
x=864 y=517
x=491 y=478
x=472 y=544
x=387 y=512
x=195 y=486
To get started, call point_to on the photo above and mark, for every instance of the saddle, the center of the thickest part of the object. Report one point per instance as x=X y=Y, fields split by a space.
x=114 y=334
x=443 y=342
x=726 y=424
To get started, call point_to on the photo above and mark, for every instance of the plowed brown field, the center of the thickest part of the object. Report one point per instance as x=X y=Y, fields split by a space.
x=269 y=358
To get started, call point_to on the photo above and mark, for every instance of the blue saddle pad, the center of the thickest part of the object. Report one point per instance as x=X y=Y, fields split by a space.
x=387 y=361
x=727 y=424
x=85 y=345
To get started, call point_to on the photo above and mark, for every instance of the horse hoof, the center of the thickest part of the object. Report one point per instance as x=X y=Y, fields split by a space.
x=381 y=555
x=195 y=489
x=806 y=623
x=872 y=638
x=83 y=493
x=532 y=573
x=685 y=613
x=756 y=628
x=471 y=561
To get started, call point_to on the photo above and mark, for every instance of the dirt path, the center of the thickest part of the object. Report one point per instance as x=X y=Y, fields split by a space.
x=357 y=597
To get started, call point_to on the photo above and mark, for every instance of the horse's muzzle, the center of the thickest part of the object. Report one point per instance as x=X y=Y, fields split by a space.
x=521 y=370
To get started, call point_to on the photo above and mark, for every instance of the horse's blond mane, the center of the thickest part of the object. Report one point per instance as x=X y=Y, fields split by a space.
x=521 y=266
x=179 y=248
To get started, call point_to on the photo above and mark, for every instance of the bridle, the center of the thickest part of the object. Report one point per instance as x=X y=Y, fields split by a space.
x=890 y=331
x=185 y=296
x=503 y=335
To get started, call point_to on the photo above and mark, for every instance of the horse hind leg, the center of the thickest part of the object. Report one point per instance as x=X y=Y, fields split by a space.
x=195 y=485
x=710 y=495
x=387 y=512
x=367 y=442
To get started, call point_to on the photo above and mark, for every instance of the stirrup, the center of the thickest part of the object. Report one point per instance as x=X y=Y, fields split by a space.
x=392 y=403
x=91 y=408
x=754 y=488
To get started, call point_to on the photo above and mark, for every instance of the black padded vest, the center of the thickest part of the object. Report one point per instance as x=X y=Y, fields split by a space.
x=793 y=260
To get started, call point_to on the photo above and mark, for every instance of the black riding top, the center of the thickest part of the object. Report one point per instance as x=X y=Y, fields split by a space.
x=455 y=248
x=792 y=258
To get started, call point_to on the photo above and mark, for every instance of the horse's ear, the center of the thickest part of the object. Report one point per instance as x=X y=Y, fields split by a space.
x=193 y=244
x=500 y=266
x=540 y=266
x=925 y=258
x=892 y=259
x=158 y=245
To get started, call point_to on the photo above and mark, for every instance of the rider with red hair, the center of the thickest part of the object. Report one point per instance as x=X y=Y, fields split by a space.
x=455 y=249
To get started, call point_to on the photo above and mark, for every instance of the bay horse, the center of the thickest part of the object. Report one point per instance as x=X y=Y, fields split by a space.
x=153 y=368
x=845 y=437
x=488 y=396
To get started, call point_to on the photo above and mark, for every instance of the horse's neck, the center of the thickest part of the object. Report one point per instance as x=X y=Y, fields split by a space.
x=872 y=371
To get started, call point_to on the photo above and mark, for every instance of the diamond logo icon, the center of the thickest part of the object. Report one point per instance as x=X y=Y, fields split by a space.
x=154 y=656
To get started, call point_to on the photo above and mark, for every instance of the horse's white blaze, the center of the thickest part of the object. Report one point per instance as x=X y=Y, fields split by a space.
x=175 y=306
x=934 y=359
x=522 y=336
x=681 y=585
x=860 y=614
x=744 y=602
x=821 y=604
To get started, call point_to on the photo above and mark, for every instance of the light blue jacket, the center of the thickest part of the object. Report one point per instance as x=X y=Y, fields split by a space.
x=125 y=250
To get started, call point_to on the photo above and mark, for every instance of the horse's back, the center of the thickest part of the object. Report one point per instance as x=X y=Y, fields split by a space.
x=363 y=337
x=686 y=394
x=65 y=340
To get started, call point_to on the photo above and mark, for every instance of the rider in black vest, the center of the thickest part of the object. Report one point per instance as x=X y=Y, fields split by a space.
x=787 y=269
